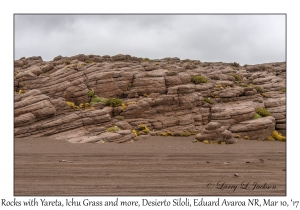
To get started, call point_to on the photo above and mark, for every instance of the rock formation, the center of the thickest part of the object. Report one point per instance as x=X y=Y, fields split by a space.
x=214 y=131
x=162 y=96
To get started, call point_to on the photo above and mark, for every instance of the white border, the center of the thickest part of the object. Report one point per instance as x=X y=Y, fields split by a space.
x=8 y=8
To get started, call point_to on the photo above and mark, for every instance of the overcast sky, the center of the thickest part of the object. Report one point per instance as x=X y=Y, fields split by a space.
x=246 y=39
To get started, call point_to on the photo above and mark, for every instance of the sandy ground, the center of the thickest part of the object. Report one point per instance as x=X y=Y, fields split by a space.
x=157 y=166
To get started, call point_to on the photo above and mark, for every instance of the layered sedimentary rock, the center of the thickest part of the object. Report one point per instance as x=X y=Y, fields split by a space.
x=215 y=131
x=255 y=128
x=158 y=94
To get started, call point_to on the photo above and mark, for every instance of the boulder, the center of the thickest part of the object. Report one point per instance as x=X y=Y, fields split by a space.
x=259 y=128
x=213 y=126
x=213 y=131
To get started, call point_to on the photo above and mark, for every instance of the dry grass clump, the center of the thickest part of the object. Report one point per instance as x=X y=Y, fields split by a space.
x=186 y=133
x=198 y=79
x=114 y=102
x=85 y=106
x=259 y=89
x=67 y=62
x=263 y=112
x=91 y=93
x=208 y=100
x=22 y=91
x=167 y=133
x=270 y=138
x=119 y=117
x=278 y=136
x=113 y=129
x=256 y=116
x=237 y=77
x=96 y=99
x=72 y=105
x=147 y=60
x=135 y=133
x=234 y=64
x=144 y=128
x=282 y=90
x=213 y=142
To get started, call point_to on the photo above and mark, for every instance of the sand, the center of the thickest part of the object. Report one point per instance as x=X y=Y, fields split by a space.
x=156 y=166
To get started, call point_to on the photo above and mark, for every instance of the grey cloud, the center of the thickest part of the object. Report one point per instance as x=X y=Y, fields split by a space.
x=242 y=38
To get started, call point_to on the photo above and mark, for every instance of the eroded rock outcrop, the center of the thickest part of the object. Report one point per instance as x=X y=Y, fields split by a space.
x=214 y=131
x=255 y=129
x=51 y=98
